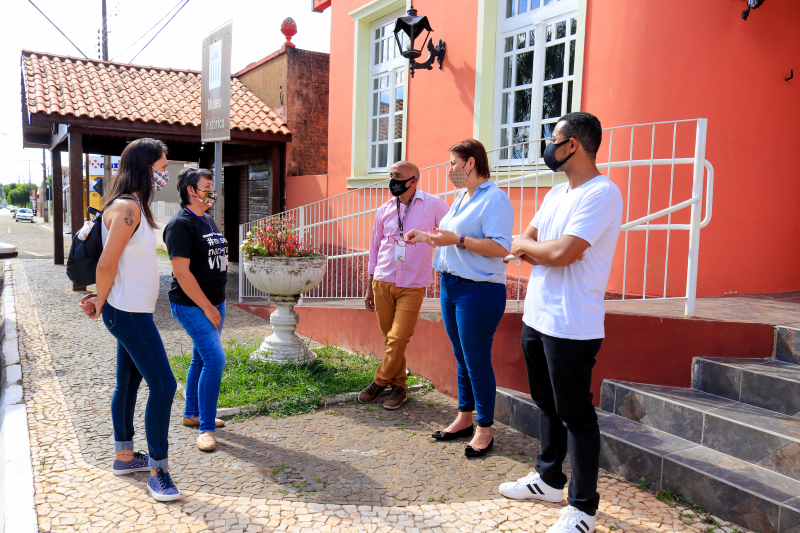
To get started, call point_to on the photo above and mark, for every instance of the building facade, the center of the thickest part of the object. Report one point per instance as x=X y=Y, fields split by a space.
x=512 y=67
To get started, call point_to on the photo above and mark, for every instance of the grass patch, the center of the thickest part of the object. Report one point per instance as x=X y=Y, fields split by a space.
x=285 y=389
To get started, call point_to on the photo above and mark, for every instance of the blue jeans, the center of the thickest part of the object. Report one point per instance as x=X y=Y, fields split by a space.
x=471 y=311
x=140 y=353
x=208 y=362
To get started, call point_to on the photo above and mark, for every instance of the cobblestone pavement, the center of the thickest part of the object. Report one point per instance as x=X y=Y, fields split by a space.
x=343 y=468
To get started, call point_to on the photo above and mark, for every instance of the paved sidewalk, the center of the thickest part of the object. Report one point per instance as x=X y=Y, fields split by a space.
x=343 y=468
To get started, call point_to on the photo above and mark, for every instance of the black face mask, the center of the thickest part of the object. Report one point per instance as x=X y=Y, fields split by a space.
x=399 y=187
x=550 y=156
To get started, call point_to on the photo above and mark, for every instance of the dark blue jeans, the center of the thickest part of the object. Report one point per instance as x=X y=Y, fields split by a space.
x=471 y=311
x=208 y=362
x=140 y=354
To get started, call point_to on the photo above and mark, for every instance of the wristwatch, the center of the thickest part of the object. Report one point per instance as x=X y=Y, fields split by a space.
x=461 y=243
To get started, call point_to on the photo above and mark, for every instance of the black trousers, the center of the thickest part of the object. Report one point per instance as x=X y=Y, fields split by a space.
x=560 y=378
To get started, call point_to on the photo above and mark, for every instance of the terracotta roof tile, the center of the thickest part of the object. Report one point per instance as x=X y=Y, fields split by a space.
x=65 y=85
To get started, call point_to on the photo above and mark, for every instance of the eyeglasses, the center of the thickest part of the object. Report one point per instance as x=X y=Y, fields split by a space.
x=399 y=241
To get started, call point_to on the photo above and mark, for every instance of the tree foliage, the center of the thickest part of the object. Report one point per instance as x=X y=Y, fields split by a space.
x=19 y=193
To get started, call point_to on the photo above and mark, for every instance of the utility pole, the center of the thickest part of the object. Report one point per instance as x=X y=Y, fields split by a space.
x=106 y=158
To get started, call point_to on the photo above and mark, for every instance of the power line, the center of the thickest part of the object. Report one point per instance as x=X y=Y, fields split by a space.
x=159 y=31
x=59 y=29
x=148 y=31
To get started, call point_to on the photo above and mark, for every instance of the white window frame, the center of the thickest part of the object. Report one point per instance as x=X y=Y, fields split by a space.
x=537 y=20
x=395 y=67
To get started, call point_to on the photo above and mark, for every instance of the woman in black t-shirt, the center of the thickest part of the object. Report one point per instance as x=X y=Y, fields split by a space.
x=199 y=256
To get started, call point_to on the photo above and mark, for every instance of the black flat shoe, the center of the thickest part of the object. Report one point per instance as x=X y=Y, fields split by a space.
x=444 y=435
x=469 y=451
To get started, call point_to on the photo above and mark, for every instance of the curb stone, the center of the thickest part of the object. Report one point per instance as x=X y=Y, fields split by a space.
x=247 y=409
x=18 y=509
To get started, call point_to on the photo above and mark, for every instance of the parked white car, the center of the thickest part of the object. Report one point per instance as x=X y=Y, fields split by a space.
x=7 y=251
x=25 y=214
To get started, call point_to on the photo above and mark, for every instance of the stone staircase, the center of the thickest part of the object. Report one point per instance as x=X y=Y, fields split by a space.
x=731 y=443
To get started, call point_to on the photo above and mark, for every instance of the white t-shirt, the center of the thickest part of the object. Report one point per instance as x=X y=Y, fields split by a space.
x=567 y=302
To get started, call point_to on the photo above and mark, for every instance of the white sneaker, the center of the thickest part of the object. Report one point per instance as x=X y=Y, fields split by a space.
x=573 y=521
x=531 y=487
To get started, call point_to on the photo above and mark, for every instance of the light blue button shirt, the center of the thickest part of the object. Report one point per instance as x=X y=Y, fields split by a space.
x=488 y=214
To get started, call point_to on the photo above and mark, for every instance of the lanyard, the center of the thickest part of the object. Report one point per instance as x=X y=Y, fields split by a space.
x=400 y=220
x=214 y=233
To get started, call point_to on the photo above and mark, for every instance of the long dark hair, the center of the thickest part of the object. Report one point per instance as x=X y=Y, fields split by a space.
x=135 y=174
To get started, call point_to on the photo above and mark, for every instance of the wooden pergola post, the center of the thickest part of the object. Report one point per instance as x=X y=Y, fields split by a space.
x=88 y=181
x=76 y=187
x=58 y=209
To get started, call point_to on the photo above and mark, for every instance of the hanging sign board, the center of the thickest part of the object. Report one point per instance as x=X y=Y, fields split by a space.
x=216 y=85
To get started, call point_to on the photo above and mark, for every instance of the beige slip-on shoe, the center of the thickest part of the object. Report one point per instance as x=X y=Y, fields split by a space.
x=207 y=441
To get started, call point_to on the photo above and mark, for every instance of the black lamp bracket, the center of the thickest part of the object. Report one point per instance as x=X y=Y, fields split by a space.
x=434 y=54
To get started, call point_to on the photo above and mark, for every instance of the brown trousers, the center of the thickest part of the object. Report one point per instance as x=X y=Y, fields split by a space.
x=397 y=311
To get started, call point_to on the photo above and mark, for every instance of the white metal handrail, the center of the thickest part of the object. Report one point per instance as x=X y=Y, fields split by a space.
x=340 y=225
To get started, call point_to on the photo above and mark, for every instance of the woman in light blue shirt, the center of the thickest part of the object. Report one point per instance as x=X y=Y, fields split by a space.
x=471 y=242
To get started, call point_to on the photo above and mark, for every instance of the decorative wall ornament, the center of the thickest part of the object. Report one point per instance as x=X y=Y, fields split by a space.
x=751 y=4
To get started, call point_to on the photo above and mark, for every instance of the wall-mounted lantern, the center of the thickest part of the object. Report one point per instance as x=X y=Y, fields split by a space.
x=751 y=4
x=413 y=26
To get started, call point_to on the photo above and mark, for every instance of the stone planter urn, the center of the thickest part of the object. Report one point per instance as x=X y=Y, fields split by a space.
x=285 y=279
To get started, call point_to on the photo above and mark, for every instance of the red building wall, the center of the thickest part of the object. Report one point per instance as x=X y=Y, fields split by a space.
x=644 y=61
x=667 y=60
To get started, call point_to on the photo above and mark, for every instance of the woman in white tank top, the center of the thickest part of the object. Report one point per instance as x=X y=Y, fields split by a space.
x=127 y=289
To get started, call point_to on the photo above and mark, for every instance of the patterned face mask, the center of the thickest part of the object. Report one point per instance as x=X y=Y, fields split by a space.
x=458 y=177
x=208 y=198
x=160 y=179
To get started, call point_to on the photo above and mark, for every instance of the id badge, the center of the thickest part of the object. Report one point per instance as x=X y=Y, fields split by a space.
x=223 y=263
x=400 y=253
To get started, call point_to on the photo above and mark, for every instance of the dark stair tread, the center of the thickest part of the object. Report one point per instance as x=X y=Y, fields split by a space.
x=785 y=426
x=770 y=367
x=692 y=398
x=774 y=487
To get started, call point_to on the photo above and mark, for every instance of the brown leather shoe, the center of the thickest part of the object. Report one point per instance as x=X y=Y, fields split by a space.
x=371 y=393
x=396 y=398
x=195 y=422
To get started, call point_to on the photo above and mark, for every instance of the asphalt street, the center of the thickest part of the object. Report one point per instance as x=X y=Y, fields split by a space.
x=34 y=241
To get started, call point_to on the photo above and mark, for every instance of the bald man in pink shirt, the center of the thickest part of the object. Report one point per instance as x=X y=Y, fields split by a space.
x=399 y=274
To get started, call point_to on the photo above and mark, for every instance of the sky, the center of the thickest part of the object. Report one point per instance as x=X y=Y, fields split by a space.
x=256 y=34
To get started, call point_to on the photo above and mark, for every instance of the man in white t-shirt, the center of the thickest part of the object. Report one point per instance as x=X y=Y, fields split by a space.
x=570 y=243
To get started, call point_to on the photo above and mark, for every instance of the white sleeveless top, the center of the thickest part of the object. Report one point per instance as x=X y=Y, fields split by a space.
x=135 y=288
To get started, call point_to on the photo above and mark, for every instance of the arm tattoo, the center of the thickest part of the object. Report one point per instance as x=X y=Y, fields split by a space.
x=129 y=217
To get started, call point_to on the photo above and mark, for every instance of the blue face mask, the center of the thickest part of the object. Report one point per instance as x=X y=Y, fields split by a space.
x=550 y=156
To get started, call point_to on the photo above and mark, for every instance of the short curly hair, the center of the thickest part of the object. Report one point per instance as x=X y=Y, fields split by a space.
x=585 y=128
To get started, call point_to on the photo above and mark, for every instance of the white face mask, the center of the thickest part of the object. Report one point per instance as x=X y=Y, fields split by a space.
x=458 y=177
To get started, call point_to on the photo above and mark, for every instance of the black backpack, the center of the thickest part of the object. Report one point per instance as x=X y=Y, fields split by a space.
x=84 y=255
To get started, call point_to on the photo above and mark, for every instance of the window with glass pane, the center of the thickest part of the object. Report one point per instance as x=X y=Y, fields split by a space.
x=536 y=55
x=387 y=91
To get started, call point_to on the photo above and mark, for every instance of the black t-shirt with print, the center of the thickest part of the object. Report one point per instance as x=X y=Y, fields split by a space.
x=186 y=236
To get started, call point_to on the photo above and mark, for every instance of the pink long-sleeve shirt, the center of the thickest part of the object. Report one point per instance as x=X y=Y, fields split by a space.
x=424 y=213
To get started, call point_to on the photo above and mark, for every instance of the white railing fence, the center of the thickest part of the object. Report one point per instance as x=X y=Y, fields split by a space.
x=164 y=211
x=660 y=168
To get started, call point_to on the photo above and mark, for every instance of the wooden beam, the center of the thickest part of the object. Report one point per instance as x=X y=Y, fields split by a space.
x=136 y=128
x=75 y=187
x=58 y=210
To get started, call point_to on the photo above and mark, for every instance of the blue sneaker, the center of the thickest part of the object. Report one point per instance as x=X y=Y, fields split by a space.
x=162 y=488
x=137 y=464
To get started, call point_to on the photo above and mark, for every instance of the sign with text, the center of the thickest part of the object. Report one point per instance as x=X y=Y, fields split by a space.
x=216 y=91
